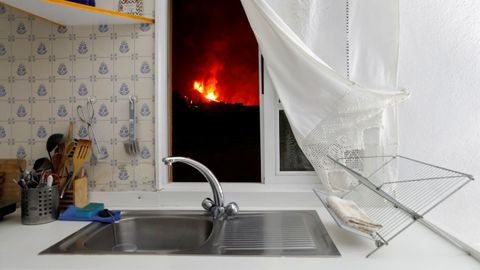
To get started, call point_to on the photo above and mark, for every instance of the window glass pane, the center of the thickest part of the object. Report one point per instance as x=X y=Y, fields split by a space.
x=215 y=91
x=291 y=156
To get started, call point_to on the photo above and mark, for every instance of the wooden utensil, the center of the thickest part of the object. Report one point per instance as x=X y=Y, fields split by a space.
x=82 y=153
x=78 y=195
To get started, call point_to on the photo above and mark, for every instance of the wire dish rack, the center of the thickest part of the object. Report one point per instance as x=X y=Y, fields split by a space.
x=395 y=191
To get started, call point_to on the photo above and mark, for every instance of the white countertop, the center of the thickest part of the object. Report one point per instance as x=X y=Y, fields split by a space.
x=416 y=248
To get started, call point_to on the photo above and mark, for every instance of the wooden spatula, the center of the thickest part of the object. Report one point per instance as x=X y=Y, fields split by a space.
x=81 y=154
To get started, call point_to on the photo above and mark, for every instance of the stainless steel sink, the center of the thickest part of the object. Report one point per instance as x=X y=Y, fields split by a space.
x=271 y=233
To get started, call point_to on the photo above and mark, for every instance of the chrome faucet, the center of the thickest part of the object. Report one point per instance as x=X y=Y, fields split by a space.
x=217 y=206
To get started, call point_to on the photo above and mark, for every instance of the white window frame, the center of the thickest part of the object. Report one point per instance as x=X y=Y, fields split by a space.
x=271 y=129
x=271 y=174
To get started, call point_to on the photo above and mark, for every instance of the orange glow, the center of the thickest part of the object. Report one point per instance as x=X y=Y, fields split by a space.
x=209 y=89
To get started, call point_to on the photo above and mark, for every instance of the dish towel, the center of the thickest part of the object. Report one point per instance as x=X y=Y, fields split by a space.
x=352 y=215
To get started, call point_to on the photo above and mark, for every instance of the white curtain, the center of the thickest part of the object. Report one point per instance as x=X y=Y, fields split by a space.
x=333 y=65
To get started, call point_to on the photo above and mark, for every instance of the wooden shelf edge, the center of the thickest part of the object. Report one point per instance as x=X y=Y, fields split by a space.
x=100 y=10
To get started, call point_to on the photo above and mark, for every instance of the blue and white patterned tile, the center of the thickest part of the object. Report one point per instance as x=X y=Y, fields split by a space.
x=104 y=130
x=144 y=67
x=62 y=68
x=5 y=150
x=42 y=89
x=103 y=173
x=41 y=131
x=124 y=46
x=5 y=110
x=22 y=90
x=82 y=31
x=103 y=68
x=4 y=27
x=103 y=89
x=145 y=131
x=22 y=151
x=5 y=90
x=82 y=89
x=103 y=47
x=62 y=89
x=41 y=28
x=145 y=110
x=102 y=30
x=21 y=70
x=147 y=153
x=41 y=68
x=145 y=176
x=60 y=126
x=123 y=89
x=82 y=47
x=121 y=109
x=38 y=150
x=21 y=27
x=143 y=86
x=3 y=11
x=41 y=110
x=5 y=69
x=22 y=48
x=21 y=131
x=4 y=131
x=124 y=173
x=61 y=31
x=62 y=110
x=123 y=67
x=119 y=153
x=5 y=48
x=123 y=30
x=41 y=48
x=62 y=48
x=144 y=46
x=22 y=111
x=121 y=130
x=82 y=68
x=144 y=29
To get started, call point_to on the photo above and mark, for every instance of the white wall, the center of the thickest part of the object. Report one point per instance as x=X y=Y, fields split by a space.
x=440 y=65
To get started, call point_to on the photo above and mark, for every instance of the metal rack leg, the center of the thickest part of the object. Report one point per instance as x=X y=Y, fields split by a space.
x=459 y=244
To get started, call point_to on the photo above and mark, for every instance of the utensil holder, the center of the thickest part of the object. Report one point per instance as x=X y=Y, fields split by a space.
x=40 y=205
x=77 y=195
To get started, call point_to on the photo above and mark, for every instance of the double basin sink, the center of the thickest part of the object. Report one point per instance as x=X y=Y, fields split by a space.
x=269 y=233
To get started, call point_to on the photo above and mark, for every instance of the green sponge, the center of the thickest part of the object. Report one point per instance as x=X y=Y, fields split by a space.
x=90 y=210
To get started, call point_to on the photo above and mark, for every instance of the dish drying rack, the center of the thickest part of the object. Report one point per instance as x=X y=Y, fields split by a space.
x=395 y=191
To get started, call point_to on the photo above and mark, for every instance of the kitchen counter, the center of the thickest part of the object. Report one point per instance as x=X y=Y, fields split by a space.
x=416 y=248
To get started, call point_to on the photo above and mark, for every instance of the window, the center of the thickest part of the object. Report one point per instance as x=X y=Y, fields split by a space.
x=215 y=110
x=244 y=138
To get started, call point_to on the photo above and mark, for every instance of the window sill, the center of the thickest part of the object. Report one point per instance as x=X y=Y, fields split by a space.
x=189 y=196
x=239 y=187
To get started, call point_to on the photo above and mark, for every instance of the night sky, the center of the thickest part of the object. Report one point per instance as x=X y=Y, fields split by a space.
x=213 y=39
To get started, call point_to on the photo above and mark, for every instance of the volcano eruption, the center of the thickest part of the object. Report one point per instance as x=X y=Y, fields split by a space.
x=215 y=90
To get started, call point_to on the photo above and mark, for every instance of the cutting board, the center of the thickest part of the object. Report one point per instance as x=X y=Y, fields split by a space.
x=10 y=192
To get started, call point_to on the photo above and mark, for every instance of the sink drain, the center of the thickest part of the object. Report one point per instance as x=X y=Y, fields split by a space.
x=125 y=247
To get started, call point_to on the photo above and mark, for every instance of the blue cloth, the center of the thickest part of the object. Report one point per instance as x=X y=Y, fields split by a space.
x=69 y=214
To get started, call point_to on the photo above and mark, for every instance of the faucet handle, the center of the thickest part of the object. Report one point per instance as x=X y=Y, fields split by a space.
x=231 y=209
x=207 y=204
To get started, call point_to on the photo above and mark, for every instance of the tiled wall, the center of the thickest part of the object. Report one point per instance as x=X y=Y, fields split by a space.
x=46 y=71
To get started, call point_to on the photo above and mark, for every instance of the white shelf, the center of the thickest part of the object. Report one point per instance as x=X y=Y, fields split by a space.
x=68 y=13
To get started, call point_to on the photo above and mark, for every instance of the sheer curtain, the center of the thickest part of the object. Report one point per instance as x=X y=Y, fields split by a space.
x=333 y=64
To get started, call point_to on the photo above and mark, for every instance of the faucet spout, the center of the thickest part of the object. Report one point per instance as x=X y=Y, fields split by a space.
x=217 y=207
